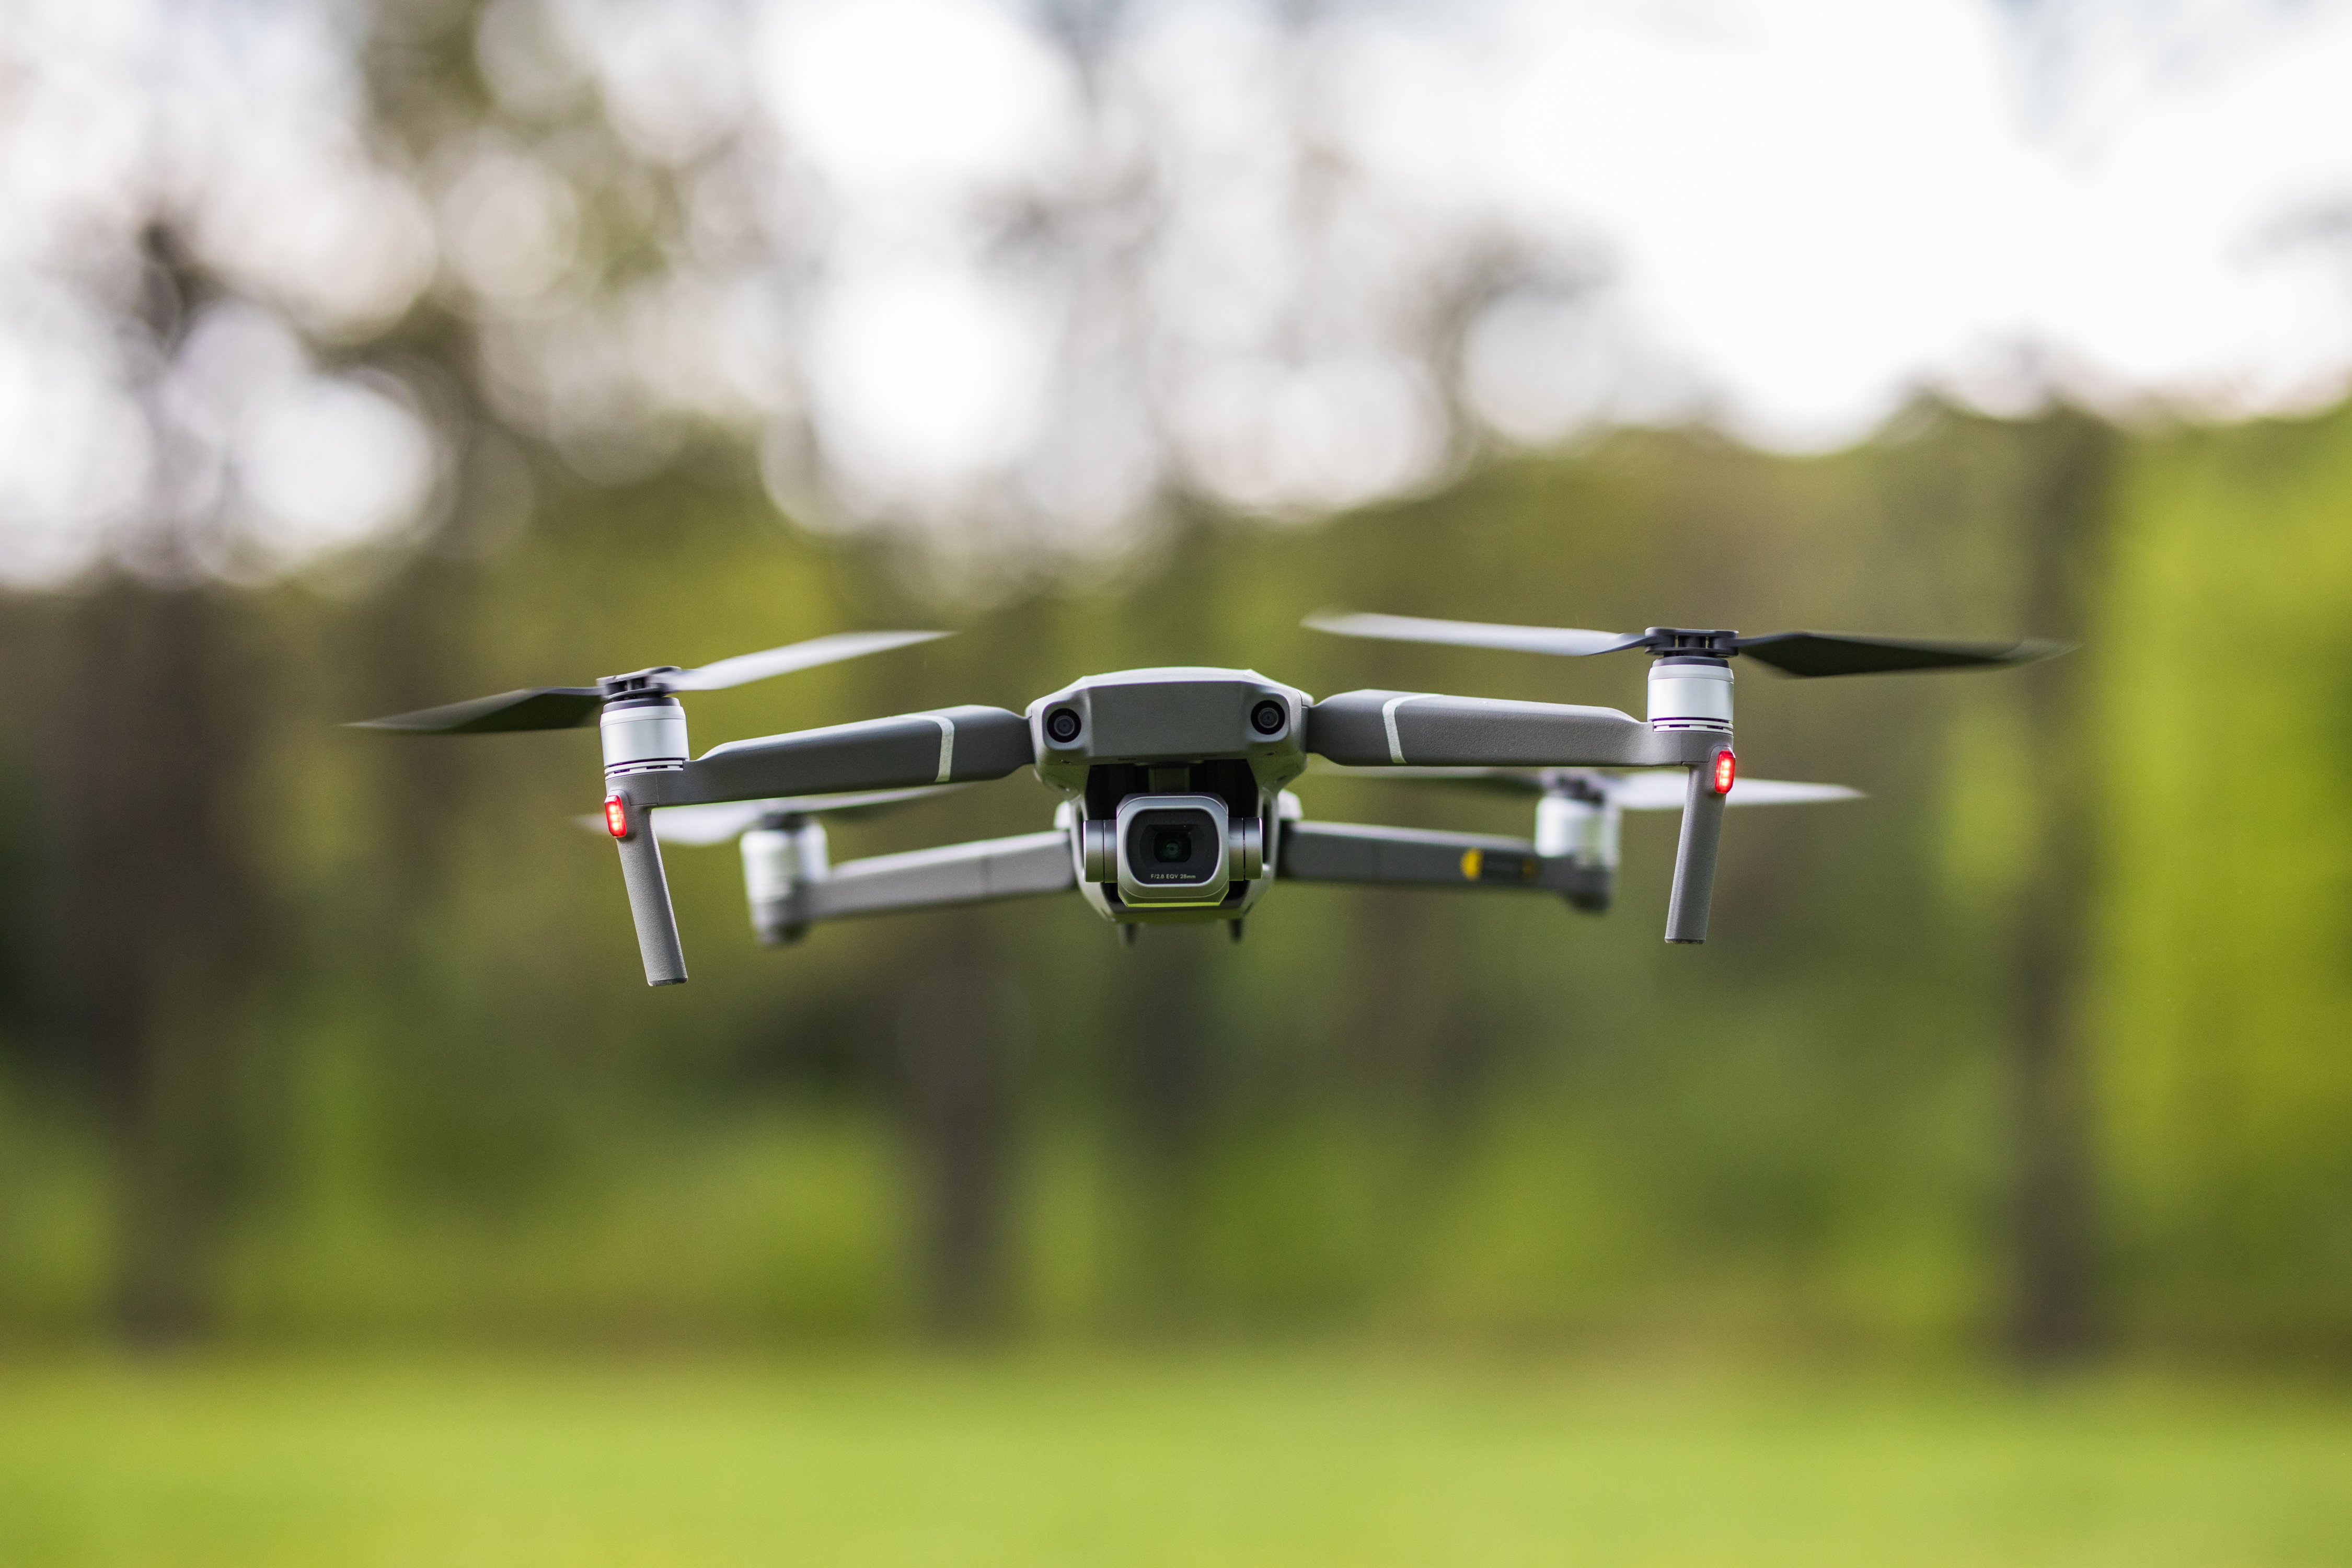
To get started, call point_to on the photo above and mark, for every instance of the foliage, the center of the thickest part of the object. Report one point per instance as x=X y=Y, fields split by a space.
x=457 y=1111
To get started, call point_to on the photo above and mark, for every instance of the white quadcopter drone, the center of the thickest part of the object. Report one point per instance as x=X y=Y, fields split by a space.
x=1174 y=781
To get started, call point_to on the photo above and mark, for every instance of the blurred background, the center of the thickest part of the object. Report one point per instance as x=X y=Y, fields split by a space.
x=355 y=358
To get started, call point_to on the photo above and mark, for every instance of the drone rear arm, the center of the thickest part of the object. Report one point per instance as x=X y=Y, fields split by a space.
x=1028 y=866
x=1416 y=858
x=1401 y=728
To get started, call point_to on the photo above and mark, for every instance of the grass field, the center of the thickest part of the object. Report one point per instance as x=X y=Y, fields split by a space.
x=1233 y=1462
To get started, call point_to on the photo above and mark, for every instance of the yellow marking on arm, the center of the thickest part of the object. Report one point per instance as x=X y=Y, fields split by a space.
x=1470 y=862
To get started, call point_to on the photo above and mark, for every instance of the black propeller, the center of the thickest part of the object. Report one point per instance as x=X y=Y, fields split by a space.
x=1792 y=653
x=574 y=706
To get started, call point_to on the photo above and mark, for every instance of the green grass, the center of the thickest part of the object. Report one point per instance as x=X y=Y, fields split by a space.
x=1233 y=1462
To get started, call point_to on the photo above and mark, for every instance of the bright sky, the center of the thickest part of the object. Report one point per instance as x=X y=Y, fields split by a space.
x=945 y=280
x=1815 y=205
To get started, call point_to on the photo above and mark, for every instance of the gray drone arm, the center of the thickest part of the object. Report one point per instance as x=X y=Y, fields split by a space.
x=1414 y=858
x=649 y=906
x=1403 y=729
x=1029 y=866
x=1400 y=729
x=953 y=745
x=1694 y=889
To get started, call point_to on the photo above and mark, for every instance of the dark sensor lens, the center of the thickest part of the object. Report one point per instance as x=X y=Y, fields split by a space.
x=1173 y=846
x=1062 y=724
x=1267 y=718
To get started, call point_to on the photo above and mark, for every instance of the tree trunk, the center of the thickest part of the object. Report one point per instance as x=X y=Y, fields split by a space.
x=1158 y=1033
x=159 y=920
x=957 y=1056
x=2054 y=1309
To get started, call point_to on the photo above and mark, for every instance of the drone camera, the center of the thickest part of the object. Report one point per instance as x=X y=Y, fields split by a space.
x=1171 y=849
x=1063 y=724
x=1269 y=717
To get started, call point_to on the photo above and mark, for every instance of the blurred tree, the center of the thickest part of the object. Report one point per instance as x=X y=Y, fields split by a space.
x=2056 y=1245
x=1157 y=1034
x=957 y=1048
x=463 y=950
x=162 y=928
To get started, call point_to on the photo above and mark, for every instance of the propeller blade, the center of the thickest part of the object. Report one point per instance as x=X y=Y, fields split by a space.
x=1665 y=791
x=696 y=823
x=571 y=707
x=1793 y=653
x=1837 y=653
x=1662 y=790
x=719 y=821
x=744 y=668
x=1469 y=634
x=536 y=708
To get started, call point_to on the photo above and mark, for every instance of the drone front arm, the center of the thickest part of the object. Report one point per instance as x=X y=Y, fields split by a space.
x=1028 y=866
x=1408 y=729
x=1416 y=858
x=1694 y=888
x=952 y=745
x=649 y=906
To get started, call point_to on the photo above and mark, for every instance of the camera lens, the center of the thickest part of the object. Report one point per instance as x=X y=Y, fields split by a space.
x=1062 y=725
x=1173 y=846
x=1267 y=718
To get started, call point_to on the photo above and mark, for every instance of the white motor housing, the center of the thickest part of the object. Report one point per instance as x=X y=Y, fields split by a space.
x=1690 y=694
x=1584 y=832
x=640 y=737
x=777 y=862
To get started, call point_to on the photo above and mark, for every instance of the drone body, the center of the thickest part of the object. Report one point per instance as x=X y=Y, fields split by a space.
x=1174 y=781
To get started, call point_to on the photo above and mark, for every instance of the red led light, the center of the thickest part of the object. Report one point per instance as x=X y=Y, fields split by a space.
x=1725 y=767
x=616 y=815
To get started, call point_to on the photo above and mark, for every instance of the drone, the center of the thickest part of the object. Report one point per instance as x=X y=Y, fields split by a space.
x=1176 y=805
